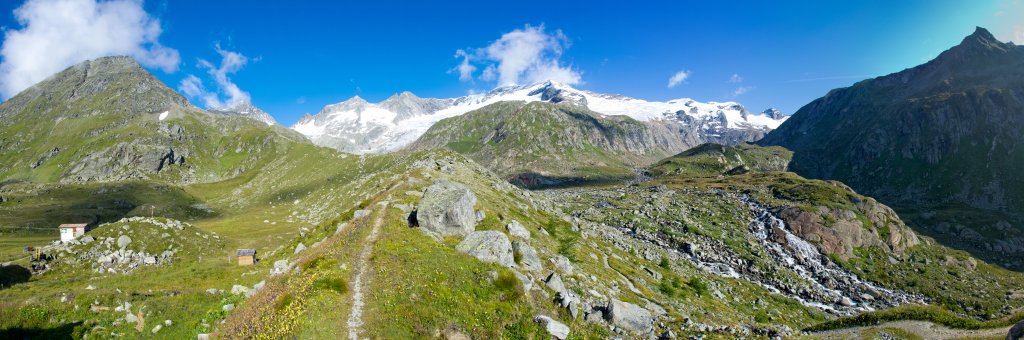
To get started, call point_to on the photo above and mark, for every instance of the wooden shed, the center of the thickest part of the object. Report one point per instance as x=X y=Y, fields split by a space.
x=246 y=257
x=70 y=232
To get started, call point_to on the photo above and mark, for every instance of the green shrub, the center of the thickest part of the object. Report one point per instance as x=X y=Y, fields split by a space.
x=698 y=285
x=336 y=284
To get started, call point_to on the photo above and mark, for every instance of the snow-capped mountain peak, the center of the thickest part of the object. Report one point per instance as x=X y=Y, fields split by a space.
x=358 y=126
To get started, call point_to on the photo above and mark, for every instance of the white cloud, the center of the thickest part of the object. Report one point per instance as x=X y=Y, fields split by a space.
x=230 y=63
x=59 y=33
x=522 y=56
x=678 y=78
x=465 y=69
x=192 y=86
x=739 y=91
x=736 y=79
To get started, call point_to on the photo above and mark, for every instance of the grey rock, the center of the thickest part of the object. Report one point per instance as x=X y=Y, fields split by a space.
x=228 y=307
x=87 y=239
x=123 y=241
x=563 y=264
x=259 y=285
x=202 y=336
x=655 y=274
x=281 y=266
x=518 y=230
x=595 y=316
x=557 y=329
x=480 y=215
x=527 y=283
x=1016 y=332
x=631 y=317
x=239 y=289
x=555 y=283
x=361 y=214
x=149 y=260
x=156 y=328
x=488 y=246
x=574 y=309
x=528 y=258
x=130 y=318
x=299 y=248
x=447 y=209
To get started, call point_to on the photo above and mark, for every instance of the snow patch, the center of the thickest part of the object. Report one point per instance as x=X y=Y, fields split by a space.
x=163 y=115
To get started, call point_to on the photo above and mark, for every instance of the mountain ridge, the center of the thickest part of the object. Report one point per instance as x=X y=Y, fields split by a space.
x=358 y=126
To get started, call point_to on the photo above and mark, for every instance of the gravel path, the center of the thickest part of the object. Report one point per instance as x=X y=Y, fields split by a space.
x=924 y=329
x=355 y=318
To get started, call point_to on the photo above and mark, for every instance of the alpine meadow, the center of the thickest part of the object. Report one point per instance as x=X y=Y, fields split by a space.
x=187 y=170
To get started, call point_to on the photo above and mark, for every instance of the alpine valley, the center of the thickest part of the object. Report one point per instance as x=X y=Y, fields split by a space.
x=528 y=212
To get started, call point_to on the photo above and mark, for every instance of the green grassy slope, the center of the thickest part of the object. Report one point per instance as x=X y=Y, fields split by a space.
x=709 y=160
x=539 y=144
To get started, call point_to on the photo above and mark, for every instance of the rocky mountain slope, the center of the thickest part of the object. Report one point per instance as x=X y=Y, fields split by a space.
x=108 y=120
x=541 y=144
x=358 y=126
x=248 y=110
x=940 y=142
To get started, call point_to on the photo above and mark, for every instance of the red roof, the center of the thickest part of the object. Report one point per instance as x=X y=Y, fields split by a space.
x=75 y=225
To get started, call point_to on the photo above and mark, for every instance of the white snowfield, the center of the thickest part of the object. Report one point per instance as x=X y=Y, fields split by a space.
x=163 y=115
x=362 y=127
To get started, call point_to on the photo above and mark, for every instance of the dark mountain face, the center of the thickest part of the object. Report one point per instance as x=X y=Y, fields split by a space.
x=941 y=142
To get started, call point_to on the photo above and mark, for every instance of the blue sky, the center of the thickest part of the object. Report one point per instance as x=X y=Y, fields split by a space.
x=299 y=56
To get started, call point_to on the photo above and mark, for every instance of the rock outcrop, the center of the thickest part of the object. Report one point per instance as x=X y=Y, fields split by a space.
x=528 y=258
x=557 y=329
x=447 y=209
x=488 y=246
x=839 y=231
x=630 y=317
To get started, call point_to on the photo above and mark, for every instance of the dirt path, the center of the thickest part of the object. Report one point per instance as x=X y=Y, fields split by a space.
x=625 y=279
x=924 y=329
x=355 y=318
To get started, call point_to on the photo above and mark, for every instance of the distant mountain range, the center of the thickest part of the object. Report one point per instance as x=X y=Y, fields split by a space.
x=358 y=126
x=940 y=142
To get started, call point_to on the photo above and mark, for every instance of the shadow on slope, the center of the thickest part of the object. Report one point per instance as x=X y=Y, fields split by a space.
x=65 y=331
x=47 y=206
x=536 y=181
x=12 y=275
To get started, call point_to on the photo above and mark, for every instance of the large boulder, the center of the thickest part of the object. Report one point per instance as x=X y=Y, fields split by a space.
x=528 y=258
x=447 y=209
x=555 y=283
x=518 y=230
x=123 y=241
x=557 y=329
x=631 y=317
x=488 y=246
x=1016 y=332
